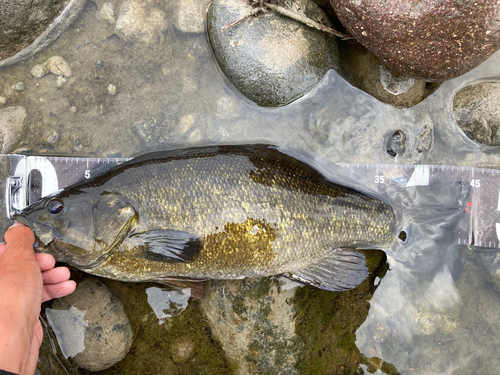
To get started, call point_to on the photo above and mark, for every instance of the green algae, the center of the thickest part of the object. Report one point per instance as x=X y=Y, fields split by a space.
x=326 y=323
x=153 y=343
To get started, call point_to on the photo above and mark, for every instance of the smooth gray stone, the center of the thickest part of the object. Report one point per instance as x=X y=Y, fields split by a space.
x=271 y=59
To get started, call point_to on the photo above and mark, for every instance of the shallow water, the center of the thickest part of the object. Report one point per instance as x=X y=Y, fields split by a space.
x=427 y=315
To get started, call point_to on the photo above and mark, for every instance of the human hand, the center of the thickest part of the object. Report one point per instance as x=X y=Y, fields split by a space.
x=26 y=280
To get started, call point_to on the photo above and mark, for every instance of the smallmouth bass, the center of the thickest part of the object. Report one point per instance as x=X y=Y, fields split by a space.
x=223 y=212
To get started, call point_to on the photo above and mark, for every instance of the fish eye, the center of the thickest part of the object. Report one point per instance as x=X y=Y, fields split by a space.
x=55 y=207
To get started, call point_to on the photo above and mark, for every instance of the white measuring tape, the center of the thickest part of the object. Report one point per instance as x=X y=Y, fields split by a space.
x=36 y=176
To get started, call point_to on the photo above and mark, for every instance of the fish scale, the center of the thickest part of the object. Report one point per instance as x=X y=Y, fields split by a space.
x=214 y=212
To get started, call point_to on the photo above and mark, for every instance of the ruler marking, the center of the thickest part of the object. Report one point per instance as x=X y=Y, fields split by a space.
x=484 y=204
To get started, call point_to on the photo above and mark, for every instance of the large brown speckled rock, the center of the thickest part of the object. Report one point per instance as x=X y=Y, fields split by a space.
x=433 y=40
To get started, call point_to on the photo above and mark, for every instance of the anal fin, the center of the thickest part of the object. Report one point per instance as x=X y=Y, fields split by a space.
x=341 y=269
x=197 y=289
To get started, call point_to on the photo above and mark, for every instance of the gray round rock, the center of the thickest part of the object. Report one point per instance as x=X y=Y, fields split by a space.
x=91 y=326
x=430 y=40
x=476 y=109
x=37 y=22
x=271 y=59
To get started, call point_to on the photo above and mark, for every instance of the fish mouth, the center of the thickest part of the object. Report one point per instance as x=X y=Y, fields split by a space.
x=21 y=219
x=43 y=233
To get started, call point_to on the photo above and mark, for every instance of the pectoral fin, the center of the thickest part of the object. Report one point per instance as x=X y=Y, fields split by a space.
x=341 y=269
x=168 y=245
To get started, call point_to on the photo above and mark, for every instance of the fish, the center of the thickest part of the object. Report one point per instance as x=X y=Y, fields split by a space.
x=181 y=217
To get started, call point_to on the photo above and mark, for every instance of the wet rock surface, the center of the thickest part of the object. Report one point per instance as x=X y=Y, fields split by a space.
x=140 y=22
x=191 y=15
x=363 y=70
x=254 y=321
x=96 y=335
x=180 y=343
x=274 y=325
x=428 y=40
x=11 y=124
x=335 y=123
x=29 y=26
x=269 y=58
x=476 y=109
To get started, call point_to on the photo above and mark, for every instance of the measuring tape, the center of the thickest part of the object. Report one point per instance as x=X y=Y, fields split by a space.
x=33 y=177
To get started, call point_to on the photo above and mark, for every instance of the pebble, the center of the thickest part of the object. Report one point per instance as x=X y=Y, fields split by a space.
x=39 y=70
x=91 y=326
x=58 y=66
x=78 y=145
x=53 y=138
x=3 y=100
x=112 y=89
x=72 y=109
x=61 y=81
x=394 y=83
x=140 y=21
x=20 y=86
x=153 y=131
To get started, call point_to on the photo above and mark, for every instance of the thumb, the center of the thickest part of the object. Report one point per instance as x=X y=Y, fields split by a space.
x=20 y=238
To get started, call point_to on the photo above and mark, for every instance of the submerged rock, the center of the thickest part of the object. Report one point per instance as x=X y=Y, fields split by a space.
x=55 y=65
x=140 y=22
x=271 y=59
x=91 y=326
x=107 y=13
x=476 y=109
x=428 y=40
x=11 y=124
x=191 y=15
x=19 y=87
x=58 y=66
x=29 y=26
x=39 y=70
x=254 y=321
x=365 y=72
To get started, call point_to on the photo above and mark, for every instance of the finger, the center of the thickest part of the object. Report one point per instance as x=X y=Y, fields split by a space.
x=45 y=261
x=36 y=341
x=19 y=233
x=58 y=290
x=55 y=275
x=2 y=248
x=20 y=240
